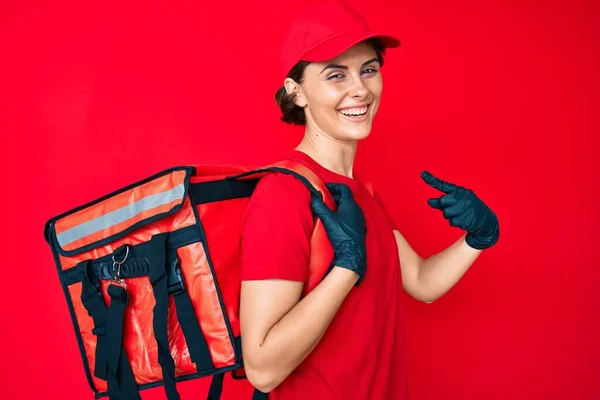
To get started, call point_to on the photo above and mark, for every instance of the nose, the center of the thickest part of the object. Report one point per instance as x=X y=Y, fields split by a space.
x=358 y=90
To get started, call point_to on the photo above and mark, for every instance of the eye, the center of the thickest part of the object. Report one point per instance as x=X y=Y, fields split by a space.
x=369 y=70
x=334 y=76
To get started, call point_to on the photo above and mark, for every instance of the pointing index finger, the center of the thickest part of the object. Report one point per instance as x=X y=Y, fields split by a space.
x=437 y=183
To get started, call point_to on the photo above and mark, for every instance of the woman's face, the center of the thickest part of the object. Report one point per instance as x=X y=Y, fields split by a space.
x=340 y=97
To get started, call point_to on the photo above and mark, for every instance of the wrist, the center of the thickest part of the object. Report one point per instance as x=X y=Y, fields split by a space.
x=482 y=242
x=345 y=275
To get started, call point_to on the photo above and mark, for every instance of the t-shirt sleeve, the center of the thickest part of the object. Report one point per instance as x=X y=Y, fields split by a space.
x=277 y=230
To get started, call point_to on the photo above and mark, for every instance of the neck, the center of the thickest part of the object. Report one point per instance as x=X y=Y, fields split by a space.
x=335 y=155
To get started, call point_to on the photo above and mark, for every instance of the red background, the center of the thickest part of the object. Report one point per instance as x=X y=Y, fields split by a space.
x=502 y=99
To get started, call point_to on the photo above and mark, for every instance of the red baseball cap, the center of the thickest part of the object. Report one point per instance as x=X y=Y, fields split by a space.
x=325 y=31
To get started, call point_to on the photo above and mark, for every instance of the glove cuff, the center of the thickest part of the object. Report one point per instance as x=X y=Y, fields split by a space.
x=351 y=256
x=483 y=242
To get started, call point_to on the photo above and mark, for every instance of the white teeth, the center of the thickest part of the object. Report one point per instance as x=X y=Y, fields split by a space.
x=354 y=111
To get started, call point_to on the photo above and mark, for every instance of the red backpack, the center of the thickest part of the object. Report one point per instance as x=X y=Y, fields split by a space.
x=151 y=274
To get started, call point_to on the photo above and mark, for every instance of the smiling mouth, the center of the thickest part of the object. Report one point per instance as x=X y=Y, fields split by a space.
x=356 y=113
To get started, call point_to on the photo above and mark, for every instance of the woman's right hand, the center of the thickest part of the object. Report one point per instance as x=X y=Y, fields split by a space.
x=346 y=229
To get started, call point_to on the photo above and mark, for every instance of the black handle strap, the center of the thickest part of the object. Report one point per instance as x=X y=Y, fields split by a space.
x=112 y=364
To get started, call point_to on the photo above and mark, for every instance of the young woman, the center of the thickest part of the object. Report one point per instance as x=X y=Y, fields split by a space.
x=345 y=339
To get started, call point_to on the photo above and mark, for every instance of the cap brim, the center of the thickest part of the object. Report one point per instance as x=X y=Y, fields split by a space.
x=336 y=46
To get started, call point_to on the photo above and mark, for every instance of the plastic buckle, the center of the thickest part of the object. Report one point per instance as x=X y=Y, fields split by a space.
x=99 y=330
x=174 y=279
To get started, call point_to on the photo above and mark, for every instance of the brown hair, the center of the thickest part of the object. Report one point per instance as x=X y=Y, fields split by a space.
x=293 y=114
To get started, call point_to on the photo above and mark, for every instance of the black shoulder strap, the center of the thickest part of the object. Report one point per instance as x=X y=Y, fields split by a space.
x=296 y=175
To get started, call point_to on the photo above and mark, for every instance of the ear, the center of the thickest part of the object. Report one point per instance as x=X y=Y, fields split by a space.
x=292 y=86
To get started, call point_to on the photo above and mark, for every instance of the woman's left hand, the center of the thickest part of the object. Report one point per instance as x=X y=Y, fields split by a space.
x=465 y=210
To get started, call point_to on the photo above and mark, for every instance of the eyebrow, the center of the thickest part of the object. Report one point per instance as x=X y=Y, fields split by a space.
x=338 y=66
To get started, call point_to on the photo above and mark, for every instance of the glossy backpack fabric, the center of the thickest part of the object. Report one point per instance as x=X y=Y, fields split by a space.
x=151 y=275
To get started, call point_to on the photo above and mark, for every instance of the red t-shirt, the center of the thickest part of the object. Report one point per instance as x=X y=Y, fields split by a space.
x=362 y=354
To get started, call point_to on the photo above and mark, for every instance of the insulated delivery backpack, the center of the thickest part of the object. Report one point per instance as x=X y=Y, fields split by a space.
x=151 y=275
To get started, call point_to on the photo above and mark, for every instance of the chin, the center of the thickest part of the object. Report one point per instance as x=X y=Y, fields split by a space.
x=356 y=133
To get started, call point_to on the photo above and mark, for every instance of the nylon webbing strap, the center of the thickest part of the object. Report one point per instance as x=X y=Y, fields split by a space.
x=158 y=279
x=186 y=315
x=216 y=387
x=194 y=337
x=114 y=324
x=112 y=364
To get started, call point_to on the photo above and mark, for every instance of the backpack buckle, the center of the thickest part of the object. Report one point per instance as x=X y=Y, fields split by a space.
x=174 y=279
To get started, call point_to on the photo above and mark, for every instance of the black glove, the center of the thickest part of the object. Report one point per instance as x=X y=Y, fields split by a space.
x=465 y=210
x=346 y=229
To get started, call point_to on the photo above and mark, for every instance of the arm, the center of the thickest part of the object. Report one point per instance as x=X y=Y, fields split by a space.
x=280 y=330
x=429 y=279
